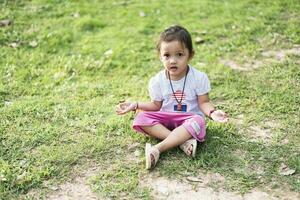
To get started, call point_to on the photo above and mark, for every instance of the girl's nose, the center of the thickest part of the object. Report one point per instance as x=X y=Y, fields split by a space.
x=173 y=59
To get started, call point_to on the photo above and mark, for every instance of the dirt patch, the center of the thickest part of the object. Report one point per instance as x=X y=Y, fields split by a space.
x=255 y=131
x=268 y=57
x=77 y=188
x=238 y=120
x=164 y=188
x=258 y=133
x=281 y=55
x=233 y=65
x=264 y=132
x=203 y=186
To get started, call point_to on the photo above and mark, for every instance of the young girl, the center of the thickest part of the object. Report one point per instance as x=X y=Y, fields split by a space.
x=179 y=99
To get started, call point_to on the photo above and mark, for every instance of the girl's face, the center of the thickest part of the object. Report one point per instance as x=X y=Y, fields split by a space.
x=175 y=58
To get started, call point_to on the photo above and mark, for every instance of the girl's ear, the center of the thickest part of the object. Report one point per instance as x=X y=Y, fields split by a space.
x=192 y=54
x=159 y=56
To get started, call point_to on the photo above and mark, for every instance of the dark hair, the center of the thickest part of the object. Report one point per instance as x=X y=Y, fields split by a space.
x=178 y=33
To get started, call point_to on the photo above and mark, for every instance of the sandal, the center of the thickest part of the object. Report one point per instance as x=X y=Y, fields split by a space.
x=152 y=156
x=187 y=145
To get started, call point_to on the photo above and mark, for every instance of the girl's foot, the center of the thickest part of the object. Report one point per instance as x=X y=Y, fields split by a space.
x=152 y=156
x=189 y=147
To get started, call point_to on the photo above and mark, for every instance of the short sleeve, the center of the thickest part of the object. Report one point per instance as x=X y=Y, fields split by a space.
x=155 y=90
x=202 y=84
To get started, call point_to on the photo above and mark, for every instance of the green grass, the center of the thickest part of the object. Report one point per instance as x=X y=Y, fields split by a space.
x=57 y=100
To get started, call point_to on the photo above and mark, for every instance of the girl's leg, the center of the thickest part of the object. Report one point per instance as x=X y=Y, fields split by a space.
x=161 y=132
x=158 y=131
x=178 y=136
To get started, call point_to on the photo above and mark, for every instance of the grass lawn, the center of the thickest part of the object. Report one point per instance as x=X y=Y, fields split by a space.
x=64 y=65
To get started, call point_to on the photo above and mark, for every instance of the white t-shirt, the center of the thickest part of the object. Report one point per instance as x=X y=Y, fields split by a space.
x=197 y=83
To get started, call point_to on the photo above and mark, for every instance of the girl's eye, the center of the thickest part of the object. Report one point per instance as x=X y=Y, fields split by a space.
x=166 y=55
x=180 y=54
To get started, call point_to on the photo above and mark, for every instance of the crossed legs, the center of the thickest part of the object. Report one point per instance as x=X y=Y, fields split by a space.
x=169 y=138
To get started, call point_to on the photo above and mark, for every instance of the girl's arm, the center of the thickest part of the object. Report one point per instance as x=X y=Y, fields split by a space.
x=126 y=107
x=149 y=106
x=205 y=105
x=209 y=110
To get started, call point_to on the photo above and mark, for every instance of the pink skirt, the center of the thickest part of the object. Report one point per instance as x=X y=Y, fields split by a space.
x=193 y=123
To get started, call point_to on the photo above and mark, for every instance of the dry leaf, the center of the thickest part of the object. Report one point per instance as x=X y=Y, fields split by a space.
x=5 y=22
x=33 y=44
x=203 y=32
x=137 y=153
x=75 y=15
x=133 y=146
x=285 y=170
x=22 y=176
x=108 y=53
x=285 y=141
x=199 y=40
x=142 y=14
x=2 y=178
x=193 y=179
x=14 y=45
x=8 y=103
x=54 y=188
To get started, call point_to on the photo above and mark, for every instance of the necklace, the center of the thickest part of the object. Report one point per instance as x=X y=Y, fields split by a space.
x=179 y=106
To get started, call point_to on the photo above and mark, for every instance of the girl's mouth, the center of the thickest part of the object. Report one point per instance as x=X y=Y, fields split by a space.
x=173 y=68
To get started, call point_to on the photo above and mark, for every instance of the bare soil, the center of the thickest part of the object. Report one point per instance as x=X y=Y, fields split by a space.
x=267 y=57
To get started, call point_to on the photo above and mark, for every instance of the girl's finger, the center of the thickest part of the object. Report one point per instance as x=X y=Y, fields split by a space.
x=118 y=109
x=224 y=120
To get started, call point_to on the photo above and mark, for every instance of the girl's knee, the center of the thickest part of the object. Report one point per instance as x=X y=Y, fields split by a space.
x=196 y=127
x=199 y=119
x=141 y=115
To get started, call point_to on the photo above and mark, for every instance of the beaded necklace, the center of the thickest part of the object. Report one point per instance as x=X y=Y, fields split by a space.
x=179 y=106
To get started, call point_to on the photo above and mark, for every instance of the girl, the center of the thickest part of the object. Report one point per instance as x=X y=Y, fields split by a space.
x=179 y=99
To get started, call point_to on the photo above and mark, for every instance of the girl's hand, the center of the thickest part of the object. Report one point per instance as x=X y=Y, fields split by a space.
x=125 y=107
x=219 y=116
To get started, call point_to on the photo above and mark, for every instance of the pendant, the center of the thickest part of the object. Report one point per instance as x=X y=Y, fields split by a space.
x=179 y=107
